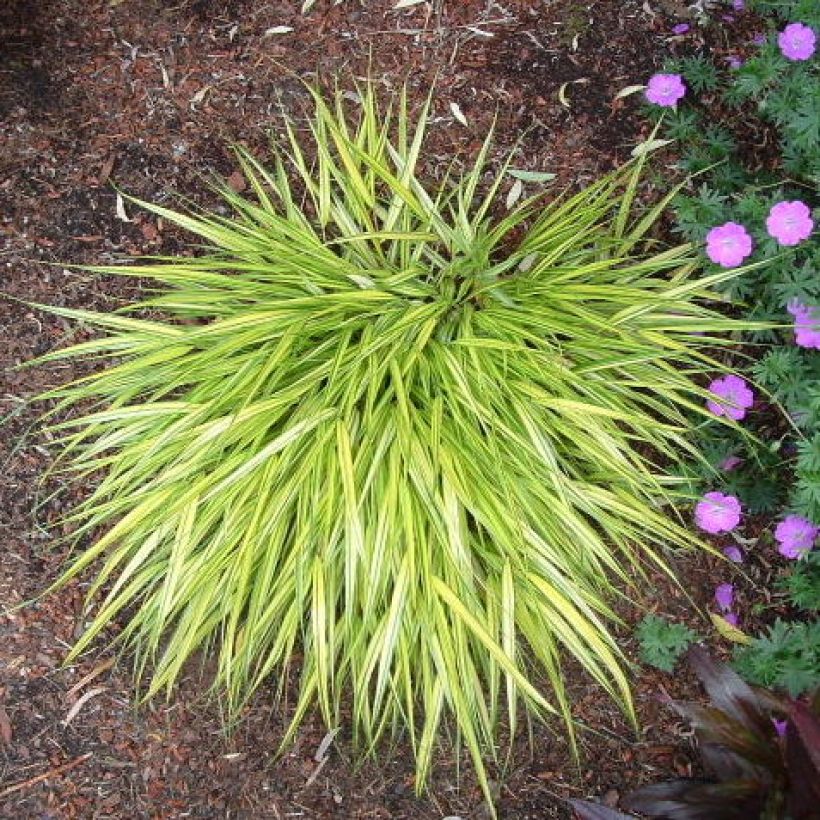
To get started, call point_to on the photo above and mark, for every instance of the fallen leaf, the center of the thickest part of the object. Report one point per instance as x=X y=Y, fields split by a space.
x=166 y=80
x=278 y=30
x=5 y=727
x=726 y=630
x=480 y=32
x=530 y=176
x=95 y=672
x=81 y=701
x=321 y=752
x=120 y=208
x=562 y=95
x=628 y=90
x=458 y=113
x=200 y=95
x=405 y=4
x=515 y=193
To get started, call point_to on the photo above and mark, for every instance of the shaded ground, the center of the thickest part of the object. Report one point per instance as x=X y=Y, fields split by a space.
x=149 y=95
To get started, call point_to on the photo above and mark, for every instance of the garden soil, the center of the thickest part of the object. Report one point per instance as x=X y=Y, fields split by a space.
x=149 y=96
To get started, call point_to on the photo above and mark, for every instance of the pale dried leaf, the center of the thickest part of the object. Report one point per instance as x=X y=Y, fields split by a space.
x=86 y=679
x=274 y=30
x=530 y=176
x=321 y=751
x=120 y=209
x=527 y=262
x=200 y=95
x=81 y=701
x=515 y=193
x=405 y=4
x=628 y=90
x=562 y=95
x=728 y=631
x=480 y=32
x=458 y=113
x=5 y=727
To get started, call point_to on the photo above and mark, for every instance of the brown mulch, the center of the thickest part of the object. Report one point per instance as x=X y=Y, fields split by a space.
x=149 y=96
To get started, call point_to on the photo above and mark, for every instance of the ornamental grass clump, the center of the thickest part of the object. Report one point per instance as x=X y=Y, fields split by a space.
x=377 y=436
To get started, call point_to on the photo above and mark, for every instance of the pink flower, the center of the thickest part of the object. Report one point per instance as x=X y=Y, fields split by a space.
x=733 y=554
x=717 y=512
x=665 y=89
x=806 y=325
x=728 y=244
x=796 y=536
x=725 y=596
x=789 y=222
x=736 y=394
x=797 y=41
x=729 y=463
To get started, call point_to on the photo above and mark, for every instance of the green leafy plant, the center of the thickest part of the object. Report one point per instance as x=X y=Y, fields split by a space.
x=726 y=129
x=761 y=753
x=803 y=582
x=788 y=657
x=662 y=642
x=378 y=438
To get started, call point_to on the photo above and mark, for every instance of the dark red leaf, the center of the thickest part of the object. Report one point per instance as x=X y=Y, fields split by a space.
x=803 y=760
x=712 y=725
x=725 y=764
x=699 y=800
x=729 y=692
x=587 y=810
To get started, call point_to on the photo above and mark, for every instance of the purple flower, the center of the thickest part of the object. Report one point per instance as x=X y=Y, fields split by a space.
x=736 y=394
x=731 y=618
x=789 y=222
x=796 y=536
x=728 y=244
x=665 y=89
x=739 y=5
x=733 y=554
x=797 y=41
x=725 y=596
x=780 y=726
x=717 y=512
x=728 y=18
x=806 y=325
x=734 y=62
x=680 y=28
x=759 y=39
x=729 y=463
